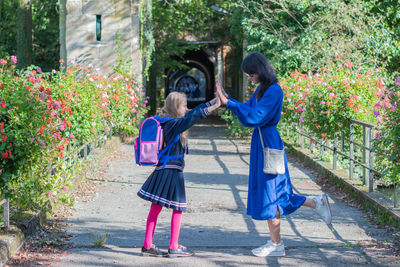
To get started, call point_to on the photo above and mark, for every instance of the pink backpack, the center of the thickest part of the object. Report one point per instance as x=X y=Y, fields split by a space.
x=149 y=142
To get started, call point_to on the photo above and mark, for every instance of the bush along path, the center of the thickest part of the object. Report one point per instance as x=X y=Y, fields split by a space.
x=107 y=224
x=45 y=116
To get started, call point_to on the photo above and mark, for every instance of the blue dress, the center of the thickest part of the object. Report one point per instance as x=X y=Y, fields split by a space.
x=266 y=192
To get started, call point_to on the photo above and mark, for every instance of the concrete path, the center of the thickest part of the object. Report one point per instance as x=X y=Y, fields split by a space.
x=215 y=226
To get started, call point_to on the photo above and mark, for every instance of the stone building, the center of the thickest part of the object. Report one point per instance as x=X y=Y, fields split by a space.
x=92 y=27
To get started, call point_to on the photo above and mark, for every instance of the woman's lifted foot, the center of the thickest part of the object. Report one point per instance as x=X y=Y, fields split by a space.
x=181 y=251
x=323 y=208
x=153 y=251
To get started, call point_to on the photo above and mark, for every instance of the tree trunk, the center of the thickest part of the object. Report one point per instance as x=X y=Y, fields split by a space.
x=24 y=33
x=63 y=28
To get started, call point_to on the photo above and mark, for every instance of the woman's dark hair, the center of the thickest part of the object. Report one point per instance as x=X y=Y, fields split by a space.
x=257 y=63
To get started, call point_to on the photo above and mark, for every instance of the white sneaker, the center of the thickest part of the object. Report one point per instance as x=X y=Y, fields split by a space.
x=269 y=249
x=323 y=208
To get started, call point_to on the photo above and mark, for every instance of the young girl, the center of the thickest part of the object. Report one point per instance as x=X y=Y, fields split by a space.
x=269 y=196
x=165 y=187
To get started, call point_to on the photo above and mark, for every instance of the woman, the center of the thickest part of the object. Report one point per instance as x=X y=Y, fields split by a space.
x=269 y=196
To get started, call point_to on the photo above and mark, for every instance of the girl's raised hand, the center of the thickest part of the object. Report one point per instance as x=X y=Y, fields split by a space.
x=217 y=101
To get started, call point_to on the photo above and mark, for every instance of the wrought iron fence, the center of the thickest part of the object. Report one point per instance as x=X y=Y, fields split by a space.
x=337 y=148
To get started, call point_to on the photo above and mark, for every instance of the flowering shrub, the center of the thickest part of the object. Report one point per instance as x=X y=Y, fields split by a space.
x=42 y=113
x=387 y=138
x=325 y=101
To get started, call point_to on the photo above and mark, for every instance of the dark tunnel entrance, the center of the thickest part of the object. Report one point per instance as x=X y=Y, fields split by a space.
x=197 y=81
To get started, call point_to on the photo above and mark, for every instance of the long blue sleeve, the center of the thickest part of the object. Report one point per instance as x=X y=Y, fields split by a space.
x=265 y=112
x=176 y=126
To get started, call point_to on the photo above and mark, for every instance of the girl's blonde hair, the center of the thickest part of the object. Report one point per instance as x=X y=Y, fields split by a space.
x=170 y=109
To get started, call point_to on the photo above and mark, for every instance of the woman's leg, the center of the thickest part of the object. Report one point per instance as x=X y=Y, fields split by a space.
x=275 y=228
x=175 y=228
x=151 y=225
x=309 y=203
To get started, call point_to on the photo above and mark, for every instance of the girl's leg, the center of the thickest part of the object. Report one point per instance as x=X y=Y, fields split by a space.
x=309 y=203
x=151 y=224
x=175 y=228
x=275 y=228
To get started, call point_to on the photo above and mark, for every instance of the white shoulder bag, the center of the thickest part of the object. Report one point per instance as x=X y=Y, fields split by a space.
x=274 y=159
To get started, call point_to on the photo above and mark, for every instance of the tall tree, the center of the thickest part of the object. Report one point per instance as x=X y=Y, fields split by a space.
x=24 y=33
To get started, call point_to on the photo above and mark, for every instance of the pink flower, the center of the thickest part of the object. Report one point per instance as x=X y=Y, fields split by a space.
x=397 y=82
x=378 y=136
x=64 y=188
x=3 y=61
x=1 y=170
x=14 y=59
x=322 y=103
x=301 y=119
x=49 y=194
x=57 y=136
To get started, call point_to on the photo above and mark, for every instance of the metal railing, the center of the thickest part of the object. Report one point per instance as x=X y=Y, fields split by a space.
x=365 y=161
x=82 y=151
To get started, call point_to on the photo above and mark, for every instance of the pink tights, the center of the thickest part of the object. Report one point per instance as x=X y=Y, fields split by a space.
x=151 y=225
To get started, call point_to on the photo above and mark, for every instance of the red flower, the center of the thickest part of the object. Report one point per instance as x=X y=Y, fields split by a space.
x=5 y=155
x=348 y=64
x=4 y=138
x=3 y=104
x=350 y=102
x=1 y=86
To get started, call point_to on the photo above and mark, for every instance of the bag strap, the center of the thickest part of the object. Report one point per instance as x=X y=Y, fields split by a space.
x=261 y=137
x=164 y=158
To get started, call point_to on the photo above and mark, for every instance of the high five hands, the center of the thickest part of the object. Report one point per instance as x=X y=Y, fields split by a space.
x=215 y=103
x=221 y=93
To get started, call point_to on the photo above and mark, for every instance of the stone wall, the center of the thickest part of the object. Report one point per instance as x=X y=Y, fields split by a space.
x=117 y=16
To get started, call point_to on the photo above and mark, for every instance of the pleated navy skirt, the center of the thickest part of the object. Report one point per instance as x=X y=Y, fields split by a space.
x=165 y=187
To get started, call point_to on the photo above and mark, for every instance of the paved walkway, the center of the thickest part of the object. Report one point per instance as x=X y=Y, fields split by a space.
x=215 y=226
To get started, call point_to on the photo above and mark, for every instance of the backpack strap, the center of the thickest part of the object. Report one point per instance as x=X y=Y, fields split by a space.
x=165 y=158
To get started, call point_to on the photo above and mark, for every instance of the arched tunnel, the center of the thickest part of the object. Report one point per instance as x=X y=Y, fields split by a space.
x=197 y=81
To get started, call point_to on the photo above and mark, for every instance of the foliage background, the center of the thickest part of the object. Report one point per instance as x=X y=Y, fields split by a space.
x=45 y=32
x=304 y=35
